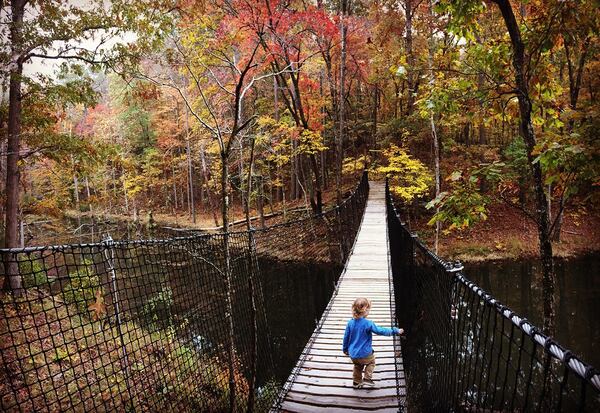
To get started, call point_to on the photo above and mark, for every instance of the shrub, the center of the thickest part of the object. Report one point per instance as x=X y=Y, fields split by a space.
x=83 y=287
x=34 y=273
x=156 y=312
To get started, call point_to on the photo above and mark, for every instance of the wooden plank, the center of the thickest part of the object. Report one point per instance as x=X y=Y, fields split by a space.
x=349 y=402
x=331 y=347
x=346 y=374
x=328 y=352
x=344 y=391
x=342 y=365
x=380 y=321
x=331 y=344
x=298 y=407
x=339 y=335
x=343 y=359
x=342 y=379
x=377 y=340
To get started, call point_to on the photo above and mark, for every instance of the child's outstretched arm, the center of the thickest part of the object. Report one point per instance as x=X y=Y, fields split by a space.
x=385 y=331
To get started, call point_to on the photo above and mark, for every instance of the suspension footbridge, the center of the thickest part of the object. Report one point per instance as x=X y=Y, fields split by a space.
x=197 y=323
x=322 y=379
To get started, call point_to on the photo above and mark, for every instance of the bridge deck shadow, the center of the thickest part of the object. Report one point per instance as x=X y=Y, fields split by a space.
x=322 y=379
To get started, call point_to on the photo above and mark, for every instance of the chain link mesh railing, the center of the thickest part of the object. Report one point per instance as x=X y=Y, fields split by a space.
x=465 y=351
x=139 y=326
x=180 y=324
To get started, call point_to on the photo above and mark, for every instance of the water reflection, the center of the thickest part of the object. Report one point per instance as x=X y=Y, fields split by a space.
x=295 y=293
x=518 y=285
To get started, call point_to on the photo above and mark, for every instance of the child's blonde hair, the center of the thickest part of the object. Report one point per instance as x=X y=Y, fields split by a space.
x=360 y=307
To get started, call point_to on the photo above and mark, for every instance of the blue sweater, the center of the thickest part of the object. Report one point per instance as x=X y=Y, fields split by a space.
x=358 y=337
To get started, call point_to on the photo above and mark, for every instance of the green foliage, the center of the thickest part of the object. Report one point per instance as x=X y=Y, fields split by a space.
x=516 y=155
x=83 y=286
x=34 y=273
x=133 y=100
x=156 y=312
x=569 y=163
x=462 y=205
x=409 y=178
x=464 y=14
x=184 y=356
x=60 y=355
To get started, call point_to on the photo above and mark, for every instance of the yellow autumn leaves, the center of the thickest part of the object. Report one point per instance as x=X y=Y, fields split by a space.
x=409 y=178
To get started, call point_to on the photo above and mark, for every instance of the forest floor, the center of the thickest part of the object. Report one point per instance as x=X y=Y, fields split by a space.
x=74 y=226
x=507 y=233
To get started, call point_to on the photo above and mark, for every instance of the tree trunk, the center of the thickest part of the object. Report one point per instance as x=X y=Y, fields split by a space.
x=410 y=58
x=293 y=172
x=260 y=202
x=559 y=219
x=11 y=231
x=525 y=108
x=126 y=199
x=211 y=201
x=318 y=208
x=575 y=76
x=3 y=149
x=174 y=190
x=283 y=200
x=339 y=147
x=434 y=136
x=188 y=151
x=482 y=131
x=227 y=275
x=114 y=186
x=254 y=340
x=22 y=233
x=76 y=193
x=323 y=114
x=276 y=98
x=375 y=108
x=90 y=207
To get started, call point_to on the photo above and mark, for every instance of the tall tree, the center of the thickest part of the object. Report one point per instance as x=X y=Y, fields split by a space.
x=282 y=37
x=528 y=133
x=53 y=30
x=339 y=147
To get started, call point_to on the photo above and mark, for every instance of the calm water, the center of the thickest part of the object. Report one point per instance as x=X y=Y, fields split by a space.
x=295 y=295
x=518 y=285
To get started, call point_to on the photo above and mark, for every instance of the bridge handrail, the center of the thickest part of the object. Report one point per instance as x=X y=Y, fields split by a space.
x=574 y=363
x=395 y=339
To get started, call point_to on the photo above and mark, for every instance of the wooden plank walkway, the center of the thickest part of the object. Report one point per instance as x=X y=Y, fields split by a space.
x=322 y=379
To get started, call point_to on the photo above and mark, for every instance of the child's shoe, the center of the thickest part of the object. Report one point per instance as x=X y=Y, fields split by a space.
x=356 y=385
x=369 y=384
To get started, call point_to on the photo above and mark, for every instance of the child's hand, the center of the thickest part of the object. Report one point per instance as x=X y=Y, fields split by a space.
x=400 y=331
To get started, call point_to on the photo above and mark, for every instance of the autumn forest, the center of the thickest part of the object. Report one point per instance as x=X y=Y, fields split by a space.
x=204 y=113
x=183 y=183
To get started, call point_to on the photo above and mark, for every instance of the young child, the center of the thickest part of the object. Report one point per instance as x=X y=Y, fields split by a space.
x=358 y=339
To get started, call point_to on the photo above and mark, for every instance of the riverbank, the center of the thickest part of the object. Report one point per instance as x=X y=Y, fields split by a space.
x=507 y=233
